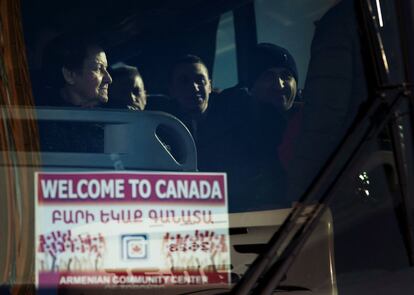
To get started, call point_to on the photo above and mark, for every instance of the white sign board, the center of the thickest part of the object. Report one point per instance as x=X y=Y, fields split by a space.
x=131 y=228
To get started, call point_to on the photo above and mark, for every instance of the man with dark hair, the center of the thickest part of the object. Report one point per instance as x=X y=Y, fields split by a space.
x=190 y=85
x=75 y=71
x=127 y=89
x=189 y=89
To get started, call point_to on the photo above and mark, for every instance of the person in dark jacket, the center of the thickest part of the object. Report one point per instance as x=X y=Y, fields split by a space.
x=272 y=83
x=189 y=88
x=75 y=75
x=261 y=108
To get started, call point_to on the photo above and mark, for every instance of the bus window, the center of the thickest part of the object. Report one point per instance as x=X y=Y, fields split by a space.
x=290 y=19
x=248 y=102
x=225 y=71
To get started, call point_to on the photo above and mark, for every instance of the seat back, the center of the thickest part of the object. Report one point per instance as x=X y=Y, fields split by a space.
x=129 y=140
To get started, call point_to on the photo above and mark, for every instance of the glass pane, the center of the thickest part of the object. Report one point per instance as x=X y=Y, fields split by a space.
x=156 y=169
x=225 y=69
x=369 y=220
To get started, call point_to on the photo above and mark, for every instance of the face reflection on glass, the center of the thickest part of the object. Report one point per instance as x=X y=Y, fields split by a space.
x=138 y=95
x=191 y=87
x=90 y=84
x=276 y=86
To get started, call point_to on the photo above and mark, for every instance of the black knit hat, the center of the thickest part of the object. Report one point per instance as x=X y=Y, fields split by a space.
x=266 y=56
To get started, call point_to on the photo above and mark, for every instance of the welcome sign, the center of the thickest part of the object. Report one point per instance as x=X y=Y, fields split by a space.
x=131 y=228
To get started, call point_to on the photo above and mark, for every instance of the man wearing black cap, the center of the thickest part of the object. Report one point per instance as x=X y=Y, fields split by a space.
x=272 y=83
x=256 y=112
x=273 y=76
